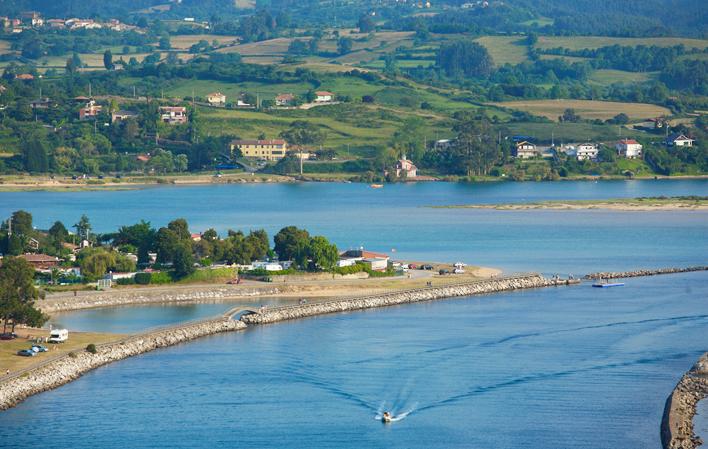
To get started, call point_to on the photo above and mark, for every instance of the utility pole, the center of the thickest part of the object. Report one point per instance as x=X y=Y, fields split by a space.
x=9 y=226
x=89 y=90
x=133 y=91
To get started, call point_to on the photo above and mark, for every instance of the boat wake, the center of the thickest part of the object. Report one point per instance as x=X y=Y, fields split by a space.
x=395 y=415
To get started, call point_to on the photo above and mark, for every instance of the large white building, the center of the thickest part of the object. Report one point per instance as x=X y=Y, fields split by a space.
x=629 y=148
x=586 y=152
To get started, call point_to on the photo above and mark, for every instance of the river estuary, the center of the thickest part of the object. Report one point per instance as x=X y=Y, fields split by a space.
x=571 y=367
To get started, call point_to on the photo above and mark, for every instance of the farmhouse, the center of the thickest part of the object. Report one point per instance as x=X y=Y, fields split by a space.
x=526 y=150
x=90 y=110
x=324 y=97
x=629 y=148
x=40 y=261
x=405 y=168
x=284 y=99
x=174 y=115
x=123 y=115
x=586 y=152
x=216 y=99
x=270 y=150
x=42 y=103
x=679 y=140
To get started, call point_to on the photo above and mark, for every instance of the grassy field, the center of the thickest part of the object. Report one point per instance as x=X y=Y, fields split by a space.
x=4 y=47
x=505 y=49
x=186 y=41
x=201 y=88
x=570 y=59
x=587 y=109
x=592 y=42
x=77 y=341
x=606 y=77
x=272 y=47
x=567 y=132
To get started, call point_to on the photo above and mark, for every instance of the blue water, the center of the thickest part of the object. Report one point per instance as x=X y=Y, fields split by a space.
x=700 y=421
x=395 y=218
x=569 y=367
x=130 y=319
x=555 y=368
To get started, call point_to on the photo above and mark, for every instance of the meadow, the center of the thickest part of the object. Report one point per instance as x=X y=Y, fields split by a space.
x=593 y=42
x=587 y=109
x=505 y=49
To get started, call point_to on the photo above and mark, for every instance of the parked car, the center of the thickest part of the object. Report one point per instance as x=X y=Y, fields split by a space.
x=458 y=271
x=426 y=267
x=8 y=336
x=26 y=353
x=412 y=266
x=444 y=271
x=39 y=348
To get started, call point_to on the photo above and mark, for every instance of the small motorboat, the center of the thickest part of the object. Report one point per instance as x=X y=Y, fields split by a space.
x=386 y=417
x=607 y=284
x=376 y=186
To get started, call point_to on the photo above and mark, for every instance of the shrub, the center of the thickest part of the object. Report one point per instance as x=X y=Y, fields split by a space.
x=161 y=277
x=142 y=278
x=126 y=281
x=91 y=348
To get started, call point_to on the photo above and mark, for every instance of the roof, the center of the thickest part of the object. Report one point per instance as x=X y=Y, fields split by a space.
x=173 y=108
x=629 y=142
x=258 y=142
x=216 y=94
x=323 y=93
x=39 y=258
x=143 y=157
x=524 y=142
x=677 y=136
x=24 y=76
x=127 y=113
x=364 y=254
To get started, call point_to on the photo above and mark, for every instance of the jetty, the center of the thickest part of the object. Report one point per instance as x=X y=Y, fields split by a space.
x=638 y=273
x=677 y=422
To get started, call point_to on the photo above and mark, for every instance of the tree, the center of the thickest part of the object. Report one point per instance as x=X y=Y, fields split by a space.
x=166 y=242
x=181 y=229
x=95 y=262
x=141 y=235
x=569 y=115
x=344 y=45
x=365 y=24
x=476 y=147
x=183 y=263
x=58 y=233
x=464 y=58
x=302 y=133
x=164 y=43
x=34 y=154
x=83 y=228
x=22 y=223
x=287 y=241
x=18 y=293
x=108 y=60
x=181 y=162
x=324 y=255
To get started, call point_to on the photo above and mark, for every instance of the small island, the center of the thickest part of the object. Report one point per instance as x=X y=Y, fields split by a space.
x=643 y=204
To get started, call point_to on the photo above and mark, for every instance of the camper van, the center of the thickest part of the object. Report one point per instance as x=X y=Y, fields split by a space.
x=58 y=336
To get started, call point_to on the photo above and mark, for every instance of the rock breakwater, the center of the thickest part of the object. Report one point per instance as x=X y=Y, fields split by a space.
x=403 y=297
x=637 y=273
x=61 y=370
x=677 y=423
x=113 y=298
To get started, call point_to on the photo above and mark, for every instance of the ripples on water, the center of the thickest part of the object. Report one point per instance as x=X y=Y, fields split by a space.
x=554 y=368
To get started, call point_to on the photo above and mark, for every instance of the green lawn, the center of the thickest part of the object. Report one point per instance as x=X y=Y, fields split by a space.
x=592 y=42
x=505 y=49
x=606 y=77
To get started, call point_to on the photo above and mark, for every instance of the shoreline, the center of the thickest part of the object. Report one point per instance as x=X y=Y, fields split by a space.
x=54 y=372
x=677 y=421
x=40 y=184
x=668 y=204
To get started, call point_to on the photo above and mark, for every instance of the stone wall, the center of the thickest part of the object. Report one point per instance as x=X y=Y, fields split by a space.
x=404 y=297
x=64 y=369
x=677 y=423
x=637 y=273
x=147 y=296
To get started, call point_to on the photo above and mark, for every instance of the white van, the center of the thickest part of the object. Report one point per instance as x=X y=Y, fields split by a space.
x=58 y=336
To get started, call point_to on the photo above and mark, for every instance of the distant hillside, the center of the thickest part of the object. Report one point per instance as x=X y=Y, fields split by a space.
x=77 y=8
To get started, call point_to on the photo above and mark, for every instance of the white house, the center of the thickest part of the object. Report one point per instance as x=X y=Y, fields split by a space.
x=586 y=152
x=173 y=114
x=216 y=99
x=679 y=140
x=405 y=168
x=323 y=96
x=526 y=150
x=284 y=99
x=629 y=148
x=377 y=264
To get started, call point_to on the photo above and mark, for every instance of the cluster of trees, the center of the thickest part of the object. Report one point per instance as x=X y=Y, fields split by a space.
x=312 y=253
x=464 y=58
x=18 y=294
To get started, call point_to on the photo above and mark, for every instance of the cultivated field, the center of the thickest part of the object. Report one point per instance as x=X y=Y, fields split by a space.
x=587 y=109
x=592 y=42
x=505 y=49
x=186 y=41
x=607 y=76
x=4 y=47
